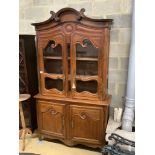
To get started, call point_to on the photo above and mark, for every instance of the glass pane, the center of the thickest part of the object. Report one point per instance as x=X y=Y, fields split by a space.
x=68 y=50
x=52 y=83
x=52 y=50
x=86 y=67
x=87 y=50
x=90 y=86
x=53 y=66
x=68 y=57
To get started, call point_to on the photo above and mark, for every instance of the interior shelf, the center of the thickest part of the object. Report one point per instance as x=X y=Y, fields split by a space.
x=77 y=58
x=86 y=59
x=86 y=77
x=49 y=57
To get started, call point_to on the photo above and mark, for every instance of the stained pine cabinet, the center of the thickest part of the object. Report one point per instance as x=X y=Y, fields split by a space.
x=72 y=53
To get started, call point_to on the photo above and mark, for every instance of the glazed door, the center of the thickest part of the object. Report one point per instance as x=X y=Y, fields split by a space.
x=86 y=66
x=52 y=57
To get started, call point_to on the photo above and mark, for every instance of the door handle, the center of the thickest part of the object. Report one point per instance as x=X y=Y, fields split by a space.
x=73 y=85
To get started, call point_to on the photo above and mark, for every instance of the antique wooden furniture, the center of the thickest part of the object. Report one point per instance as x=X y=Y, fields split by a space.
x=72 y=104
x=28 y=82
x=24 y=130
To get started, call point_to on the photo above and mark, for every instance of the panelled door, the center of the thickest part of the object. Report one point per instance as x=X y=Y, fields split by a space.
x=86 y=124
x=86 y=64
x=52 y=55
x=51 y=118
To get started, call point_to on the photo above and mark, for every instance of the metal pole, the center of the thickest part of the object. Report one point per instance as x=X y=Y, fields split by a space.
x=129 y=112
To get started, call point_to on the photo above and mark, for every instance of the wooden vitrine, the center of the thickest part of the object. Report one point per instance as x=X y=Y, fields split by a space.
x=72 y=104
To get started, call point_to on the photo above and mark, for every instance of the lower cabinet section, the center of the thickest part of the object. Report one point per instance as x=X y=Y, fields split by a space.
x=71 y=123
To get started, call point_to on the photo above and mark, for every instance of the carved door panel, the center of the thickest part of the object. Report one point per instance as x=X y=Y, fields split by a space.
x=52 y=55
x=51 y=119
x=86 y=64
x=86 y=124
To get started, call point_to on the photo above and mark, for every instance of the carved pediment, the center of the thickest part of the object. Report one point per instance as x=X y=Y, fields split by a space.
x=67 y=14
x=71 y=15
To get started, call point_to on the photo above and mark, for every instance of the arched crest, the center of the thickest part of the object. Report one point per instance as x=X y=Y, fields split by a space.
x=71 y=15
x=77 y=15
